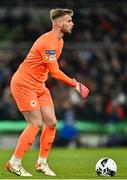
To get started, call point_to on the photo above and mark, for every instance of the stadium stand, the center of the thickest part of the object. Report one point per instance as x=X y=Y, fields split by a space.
x=98 y=59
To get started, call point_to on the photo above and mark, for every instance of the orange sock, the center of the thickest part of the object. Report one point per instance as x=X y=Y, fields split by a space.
x=46 y=140
x=26 y=139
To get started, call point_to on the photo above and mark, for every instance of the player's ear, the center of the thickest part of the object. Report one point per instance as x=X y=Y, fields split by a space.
x=60 y=23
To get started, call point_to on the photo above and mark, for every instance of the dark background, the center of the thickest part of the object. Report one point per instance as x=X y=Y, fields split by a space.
x=95 y=54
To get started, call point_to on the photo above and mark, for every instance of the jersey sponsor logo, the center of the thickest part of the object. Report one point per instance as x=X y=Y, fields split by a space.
x=50 y=51
x=33 y=103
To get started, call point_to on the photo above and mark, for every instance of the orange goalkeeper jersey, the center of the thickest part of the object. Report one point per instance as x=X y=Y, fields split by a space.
x=42 y=59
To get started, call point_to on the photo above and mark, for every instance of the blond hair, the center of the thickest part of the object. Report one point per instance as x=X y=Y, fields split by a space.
x=59 y=12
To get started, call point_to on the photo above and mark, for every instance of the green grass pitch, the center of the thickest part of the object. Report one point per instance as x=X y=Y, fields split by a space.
x=69 y=163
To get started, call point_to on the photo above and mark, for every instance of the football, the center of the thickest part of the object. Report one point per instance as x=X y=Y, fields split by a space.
x=106 y=167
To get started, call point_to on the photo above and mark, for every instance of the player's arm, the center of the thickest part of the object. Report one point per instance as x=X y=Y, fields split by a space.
x=50 y=60
x=59 y=75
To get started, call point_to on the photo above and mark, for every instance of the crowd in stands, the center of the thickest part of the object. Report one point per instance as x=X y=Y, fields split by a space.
x=95 y=54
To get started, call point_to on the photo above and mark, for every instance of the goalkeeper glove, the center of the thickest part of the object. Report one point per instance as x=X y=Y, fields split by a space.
x=82 y=90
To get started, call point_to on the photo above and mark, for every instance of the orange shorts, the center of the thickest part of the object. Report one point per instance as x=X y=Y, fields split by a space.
x=30 y=99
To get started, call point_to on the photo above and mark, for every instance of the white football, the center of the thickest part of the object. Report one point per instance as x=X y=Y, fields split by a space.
x=106 y=167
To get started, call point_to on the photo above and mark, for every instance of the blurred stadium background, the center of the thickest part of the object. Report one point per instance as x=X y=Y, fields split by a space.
x=95 y=54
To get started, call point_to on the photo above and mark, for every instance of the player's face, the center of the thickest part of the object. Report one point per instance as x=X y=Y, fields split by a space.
x=67 y=24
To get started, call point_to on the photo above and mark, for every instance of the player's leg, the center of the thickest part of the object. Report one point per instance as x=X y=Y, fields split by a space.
x=46 y=139
x=48 y=133
x=27 y=137
x=25 y=141
x=28 y=105
x=49 y=130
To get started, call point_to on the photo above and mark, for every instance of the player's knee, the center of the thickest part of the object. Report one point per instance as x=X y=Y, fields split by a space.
x=37 y=123
x=52 y=123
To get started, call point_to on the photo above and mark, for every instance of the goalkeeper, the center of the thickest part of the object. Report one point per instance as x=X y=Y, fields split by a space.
x=34 y=99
